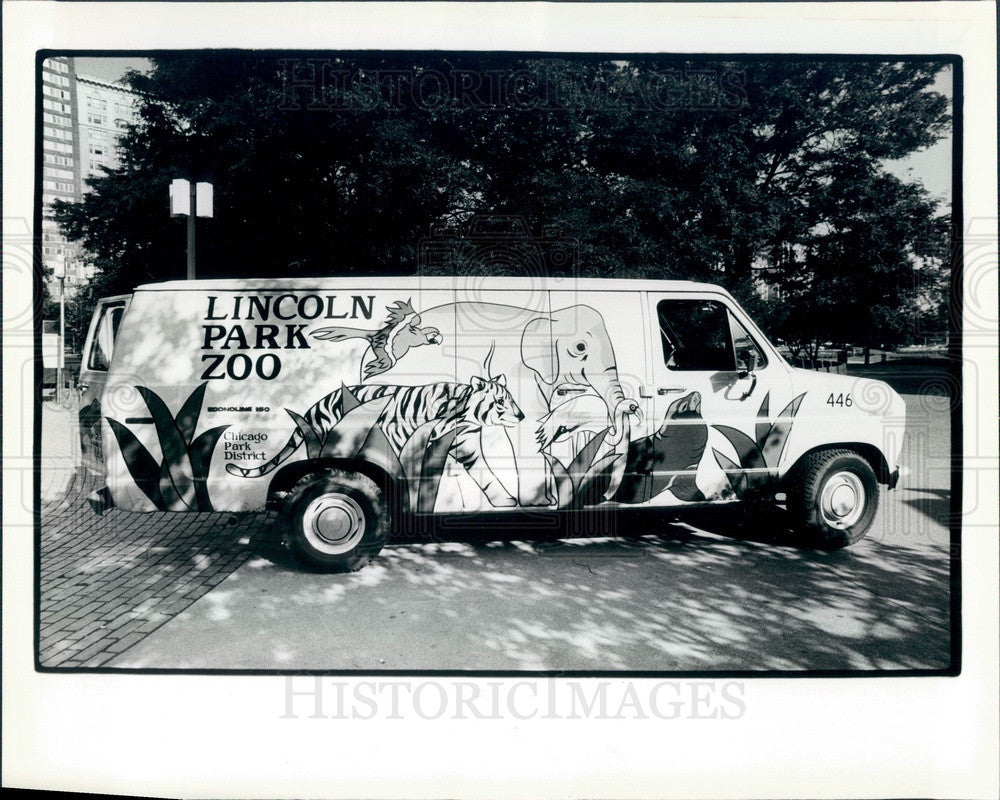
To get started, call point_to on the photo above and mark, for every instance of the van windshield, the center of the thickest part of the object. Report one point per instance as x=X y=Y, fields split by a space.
x=104 y=338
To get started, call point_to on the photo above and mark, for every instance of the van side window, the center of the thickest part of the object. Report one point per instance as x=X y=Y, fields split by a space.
x=104 y=338
x=696 y=335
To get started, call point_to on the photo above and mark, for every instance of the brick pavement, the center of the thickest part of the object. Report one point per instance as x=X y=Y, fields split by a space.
x=109 y=581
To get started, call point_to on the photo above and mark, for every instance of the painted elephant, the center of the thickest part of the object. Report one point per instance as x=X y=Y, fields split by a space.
x=571 y=348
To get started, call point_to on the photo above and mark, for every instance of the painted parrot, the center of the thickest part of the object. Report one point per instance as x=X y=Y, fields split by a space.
x=401 y=331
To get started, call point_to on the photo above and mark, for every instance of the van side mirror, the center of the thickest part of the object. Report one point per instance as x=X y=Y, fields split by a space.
x=749 y=360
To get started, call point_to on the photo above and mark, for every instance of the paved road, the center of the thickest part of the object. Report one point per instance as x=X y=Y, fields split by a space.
x=703 y=594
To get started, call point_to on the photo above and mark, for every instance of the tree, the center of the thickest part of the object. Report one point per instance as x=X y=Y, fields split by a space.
x=653 y=167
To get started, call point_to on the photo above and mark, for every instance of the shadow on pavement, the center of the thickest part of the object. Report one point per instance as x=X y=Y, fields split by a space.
x=936 y=504
x=669 y=596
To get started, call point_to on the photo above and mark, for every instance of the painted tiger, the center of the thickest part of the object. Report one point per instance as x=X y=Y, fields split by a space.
x=463 y=407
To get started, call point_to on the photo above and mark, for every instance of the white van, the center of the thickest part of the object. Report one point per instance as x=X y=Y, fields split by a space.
x=350 y=402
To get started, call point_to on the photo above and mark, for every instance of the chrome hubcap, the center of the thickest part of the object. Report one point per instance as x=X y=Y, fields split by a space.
x=334 y=523
x=842 y=501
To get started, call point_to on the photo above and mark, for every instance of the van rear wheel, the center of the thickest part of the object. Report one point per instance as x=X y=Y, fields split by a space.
x=335 y=520
x=833 y=494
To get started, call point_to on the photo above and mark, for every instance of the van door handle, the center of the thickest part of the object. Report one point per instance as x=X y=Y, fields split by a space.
x=669 y=389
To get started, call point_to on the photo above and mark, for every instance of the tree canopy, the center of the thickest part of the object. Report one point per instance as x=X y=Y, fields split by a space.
x=736 y=172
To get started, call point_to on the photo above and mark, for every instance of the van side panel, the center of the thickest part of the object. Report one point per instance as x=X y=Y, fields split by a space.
x=838 y=410
x=211 y=392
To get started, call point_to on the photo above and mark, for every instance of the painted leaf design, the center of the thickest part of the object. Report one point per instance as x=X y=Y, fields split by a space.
x=583 y=459
x=141 y=464
x=359 y=433
x=433 y=468
x=177 y=496
x=348 y=400
x=685 y=488
x=563 y=482
x=725 y=462
x=176 y=478
x=736 y=476
x=595 y=484
x=187 y=417
x=422 y=460
x=746 y=448
x=377 y=450
x=313 y=446
x=635 y=486
x=763 y=427
x=200 y=452
x=774 y=447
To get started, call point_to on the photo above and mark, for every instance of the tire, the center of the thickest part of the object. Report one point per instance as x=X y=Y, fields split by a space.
x=833 y=495
x=336 y=521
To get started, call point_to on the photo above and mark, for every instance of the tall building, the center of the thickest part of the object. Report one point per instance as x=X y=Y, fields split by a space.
x=104 y=111
x=83 y=118
x=60 y=160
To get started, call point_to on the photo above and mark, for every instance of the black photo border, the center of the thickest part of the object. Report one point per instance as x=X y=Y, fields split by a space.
x=954 y=667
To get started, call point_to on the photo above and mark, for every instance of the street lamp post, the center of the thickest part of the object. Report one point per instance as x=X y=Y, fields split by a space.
x=59 y=273
x=190 y=199
x=62 y=334
x=192 y=203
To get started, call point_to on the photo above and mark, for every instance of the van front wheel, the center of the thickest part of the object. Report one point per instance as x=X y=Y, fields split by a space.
x=335 y=520
x=834 y=496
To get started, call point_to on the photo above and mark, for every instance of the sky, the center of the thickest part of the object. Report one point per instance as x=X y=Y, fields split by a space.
x=932 y=167
x=110 y=69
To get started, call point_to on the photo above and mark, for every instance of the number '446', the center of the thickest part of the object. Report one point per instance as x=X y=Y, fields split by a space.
x=842 y=400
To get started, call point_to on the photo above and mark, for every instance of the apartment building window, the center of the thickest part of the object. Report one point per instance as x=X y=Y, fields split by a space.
x=53 y=172
x=53 y=105
x=59 y=148
x=58 y=186
x=97 y=119
x=97 y=150
x=96 y=104
x=56 y=133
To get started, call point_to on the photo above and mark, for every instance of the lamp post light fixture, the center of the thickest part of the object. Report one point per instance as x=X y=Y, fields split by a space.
x=190 y=199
